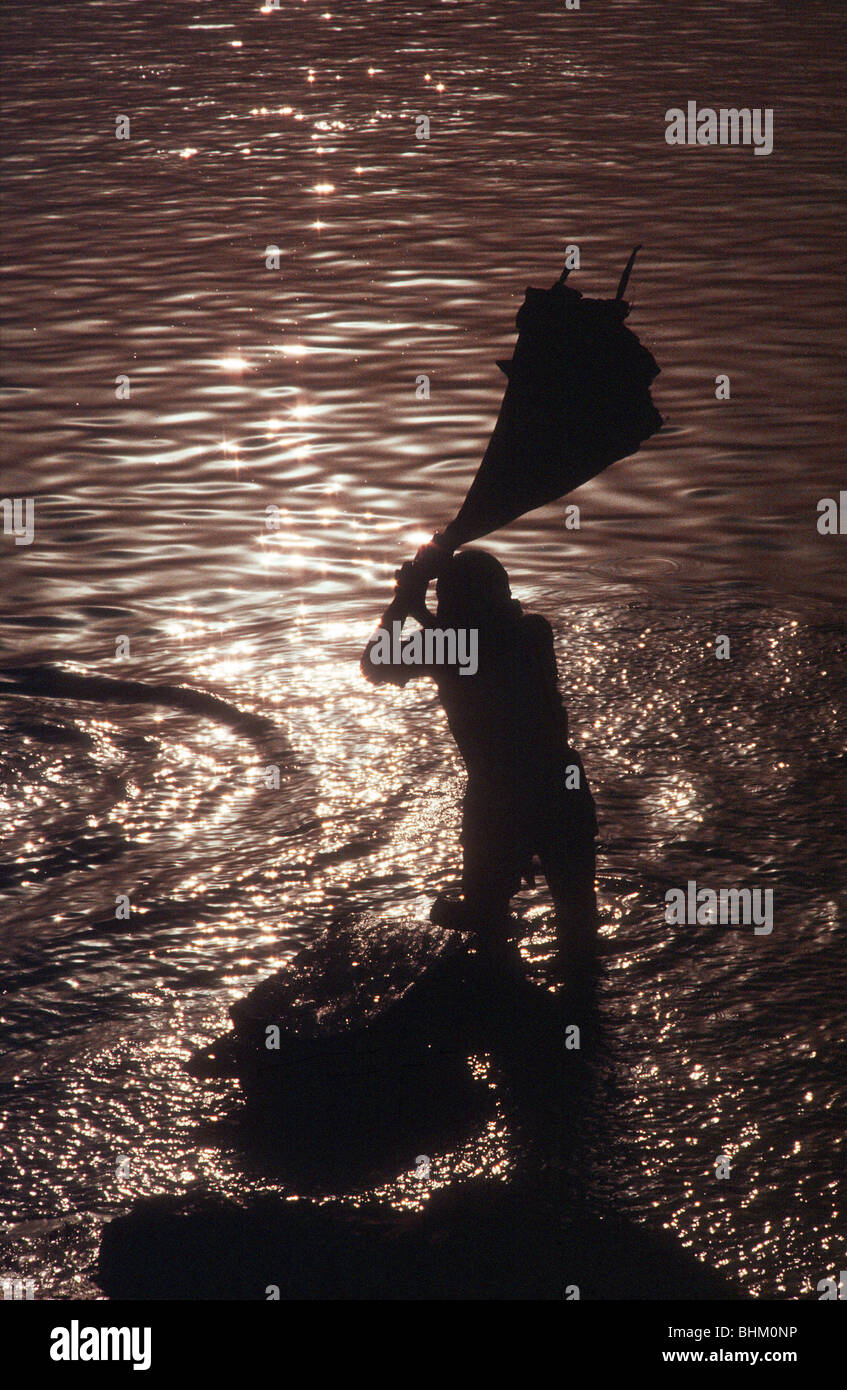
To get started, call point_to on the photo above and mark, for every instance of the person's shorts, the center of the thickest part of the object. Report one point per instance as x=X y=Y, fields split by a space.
x=501 y=833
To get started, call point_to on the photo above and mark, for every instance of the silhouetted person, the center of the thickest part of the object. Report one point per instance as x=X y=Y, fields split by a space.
x=527 y=794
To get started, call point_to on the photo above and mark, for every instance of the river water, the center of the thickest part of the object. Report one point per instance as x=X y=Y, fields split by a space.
x=155 y=558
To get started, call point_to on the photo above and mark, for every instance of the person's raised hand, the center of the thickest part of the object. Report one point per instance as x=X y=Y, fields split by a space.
x=411 y=583
x=432 y=559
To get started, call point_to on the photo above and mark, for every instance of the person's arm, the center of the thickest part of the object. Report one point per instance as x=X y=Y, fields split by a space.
x=378 y=664
x=428 y=564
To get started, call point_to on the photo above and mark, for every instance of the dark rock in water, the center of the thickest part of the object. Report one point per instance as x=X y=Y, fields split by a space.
x=345 y=982
x=355 y=1057
x=483 y=1240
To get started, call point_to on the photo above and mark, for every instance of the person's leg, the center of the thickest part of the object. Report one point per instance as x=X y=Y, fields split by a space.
x=486 y=897
x=569 y=859
x=569 y=870
x=490 y=864
x=490 y=877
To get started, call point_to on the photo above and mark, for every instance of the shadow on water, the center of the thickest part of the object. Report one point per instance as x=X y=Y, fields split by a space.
x=52 y=682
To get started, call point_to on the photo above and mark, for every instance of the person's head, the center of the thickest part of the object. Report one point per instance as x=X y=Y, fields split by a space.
x=471 y=588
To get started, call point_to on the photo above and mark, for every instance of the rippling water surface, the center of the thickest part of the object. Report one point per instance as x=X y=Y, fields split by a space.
x=295 y=388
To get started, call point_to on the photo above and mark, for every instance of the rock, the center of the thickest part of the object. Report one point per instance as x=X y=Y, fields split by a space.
x=480 y=1240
